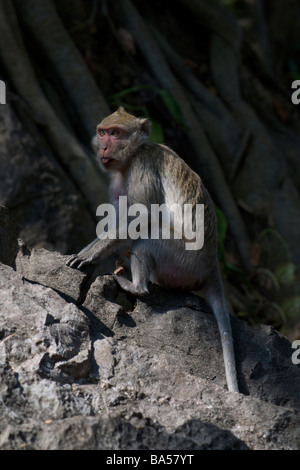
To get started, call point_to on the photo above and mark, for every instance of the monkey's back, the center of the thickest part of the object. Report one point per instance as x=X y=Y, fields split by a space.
x=158 y=176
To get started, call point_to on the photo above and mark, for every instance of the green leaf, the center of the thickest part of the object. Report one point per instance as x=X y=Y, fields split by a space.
x=128 y=91
x=172 y=105
x=157 y=133
x=165 y=95
x=291 y=307
x=229 y=267
x=285 y=273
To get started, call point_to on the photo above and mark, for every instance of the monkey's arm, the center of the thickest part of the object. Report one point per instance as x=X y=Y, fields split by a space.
x=92 y=252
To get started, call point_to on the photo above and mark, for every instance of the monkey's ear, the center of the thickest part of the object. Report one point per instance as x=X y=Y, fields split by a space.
x=145 y=125
x=121 y=110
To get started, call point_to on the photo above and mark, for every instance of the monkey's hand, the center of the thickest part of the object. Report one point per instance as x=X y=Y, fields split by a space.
x=80 y=260
x=89 y=254
x=92 y=253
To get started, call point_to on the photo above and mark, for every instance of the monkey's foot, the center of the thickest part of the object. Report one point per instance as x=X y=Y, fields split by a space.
x=128 y=286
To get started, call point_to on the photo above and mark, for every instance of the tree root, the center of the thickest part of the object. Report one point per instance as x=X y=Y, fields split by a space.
x=45 y=25
x=221 y=127
x=17 y=63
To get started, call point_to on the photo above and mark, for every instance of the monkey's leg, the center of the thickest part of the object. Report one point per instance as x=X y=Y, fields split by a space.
x=140 y=268
x=215 y=296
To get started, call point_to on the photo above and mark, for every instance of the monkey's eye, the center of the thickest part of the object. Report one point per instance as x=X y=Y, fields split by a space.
x=101 y=132
x=115 y=132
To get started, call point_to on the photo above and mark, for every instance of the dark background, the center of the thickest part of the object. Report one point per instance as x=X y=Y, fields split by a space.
x=215 y=78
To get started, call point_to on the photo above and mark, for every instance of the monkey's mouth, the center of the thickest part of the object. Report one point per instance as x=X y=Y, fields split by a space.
x=105 y=161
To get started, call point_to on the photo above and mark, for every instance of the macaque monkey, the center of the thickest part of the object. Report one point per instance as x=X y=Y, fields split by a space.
x=149 y=173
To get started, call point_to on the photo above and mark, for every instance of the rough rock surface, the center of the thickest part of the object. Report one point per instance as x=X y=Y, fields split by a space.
x=84 y=366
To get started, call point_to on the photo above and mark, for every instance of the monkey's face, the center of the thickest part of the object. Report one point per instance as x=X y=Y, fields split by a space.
x=112 y=141
x=119 y=135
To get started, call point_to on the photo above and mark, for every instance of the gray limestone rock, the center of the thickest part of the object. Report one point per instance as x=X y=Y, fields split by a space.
x=85 y=366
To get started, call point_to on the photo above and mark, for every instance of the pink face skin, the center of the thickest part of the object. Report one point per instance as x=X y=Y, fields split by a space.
x=109 y=140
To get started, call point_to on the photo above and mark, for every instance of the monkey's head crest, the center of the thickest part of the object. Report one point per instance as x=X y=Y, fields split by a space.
x=126 y=121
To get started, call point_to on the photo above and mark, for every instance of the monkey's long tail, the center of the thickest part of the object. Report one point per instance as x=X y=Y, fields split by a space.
x=217 y=302
x=228 y=354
